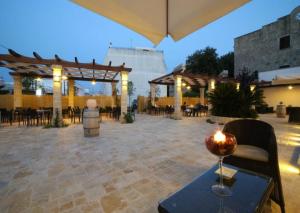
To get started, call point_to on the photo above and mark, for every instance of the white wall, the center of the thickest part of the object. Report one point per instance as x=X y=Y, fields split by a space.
x=146 y=65
x=273 y=95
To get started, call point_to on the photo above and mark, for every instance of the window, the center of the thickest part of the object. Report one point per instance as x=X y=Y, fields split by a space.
x=284 y=42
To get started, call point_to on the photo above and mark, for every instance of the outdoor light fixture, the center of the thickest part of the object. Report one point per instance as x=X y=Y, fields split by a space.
x=212 y=85
x=290 y=87
x=238 y=87
x=64 y=77
x=38 y=92
x=93 y=82
x=184 y=84
x=188 y=87
x=56 y=73
x=252 y=87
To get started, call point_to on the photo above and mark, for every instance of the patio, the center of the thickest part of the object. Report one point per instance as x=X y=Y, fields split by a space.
x=126 y=169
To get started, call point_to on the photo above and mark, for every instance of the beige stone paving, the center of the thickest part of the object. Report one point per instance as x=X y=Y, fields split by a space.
x=129 y=168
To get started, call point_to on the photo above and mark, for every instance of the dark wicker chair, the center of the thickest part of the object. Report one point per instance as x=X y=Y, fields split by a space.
x=294 y=115
x=260 y=136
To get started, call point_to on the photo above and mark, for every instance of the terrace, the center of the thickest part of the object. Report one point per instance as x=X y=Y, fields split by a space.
x=169 y=158
x=130 y=168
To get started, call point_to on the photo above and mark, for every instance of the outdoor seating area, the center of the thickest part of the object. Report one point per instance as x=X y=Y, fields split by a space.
x=43 y=116
x=61 y=170
x=166 y=106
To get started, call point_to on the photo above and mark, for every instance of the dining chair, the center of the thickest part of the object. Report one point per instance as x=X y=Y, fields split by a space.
x=256 y=151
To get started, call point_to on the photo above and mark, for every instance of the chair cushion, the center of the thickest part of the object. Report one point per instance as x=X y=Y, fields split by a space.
x=251 y=152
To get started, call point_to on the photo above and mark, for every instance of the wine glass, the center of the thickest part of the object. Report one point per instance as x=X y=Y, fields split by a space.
x=222 y=145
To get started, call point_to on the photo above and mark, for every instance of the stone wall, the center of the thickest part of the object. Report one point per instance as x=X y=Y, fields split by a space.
x=259 y=50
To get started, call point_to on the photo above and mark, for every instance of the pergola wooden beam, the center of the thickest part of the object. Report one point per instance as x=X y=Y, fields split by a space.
x=107 y=70
x=69 y=77
x=40 y=67
x=15 y=58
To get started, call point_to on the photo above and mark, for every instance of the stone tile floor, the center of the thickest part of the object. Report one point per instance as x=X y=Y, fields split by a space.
x=128 y=168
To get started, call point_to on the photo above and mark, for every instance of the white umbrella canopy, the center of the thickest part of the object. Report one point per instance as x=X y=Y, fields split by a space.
x=156 y=19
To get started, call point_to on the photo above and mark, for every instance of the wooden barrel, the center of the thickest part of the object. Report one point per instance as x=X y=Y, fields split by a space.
x=280 y=111
x=91 y=123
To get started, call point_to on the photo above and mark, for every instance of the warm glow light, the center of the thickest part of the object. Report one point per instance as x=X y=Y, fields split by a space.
x=56 y=78
x=64 y=77
x=252 y=87
x=93 y=82
x=290 y=87
x=294 y=138
x=183 y=84
x=291 y=143
x=38 y=79
x=212 y=86
x=238 y=86
x=219 y=137
x=56 y=73
x=178 y=81
x=38 y=92
x=188 y=87
x=284 y=167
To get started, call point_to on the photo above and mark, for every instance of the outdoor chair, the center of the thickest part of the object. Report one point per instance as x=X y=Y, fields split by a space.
x=294 y=115
x=116 y=111
x=76 y=113
x=256 y=151
x=6 y=116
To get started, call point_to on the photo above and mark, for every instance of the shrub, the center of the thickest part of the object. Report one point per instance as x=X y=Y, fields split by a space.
x=128 y=117
x=227 y=101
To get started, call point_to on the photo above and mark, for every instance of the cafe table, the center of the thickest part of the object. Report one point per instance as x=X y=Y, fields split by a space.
x=250 y=191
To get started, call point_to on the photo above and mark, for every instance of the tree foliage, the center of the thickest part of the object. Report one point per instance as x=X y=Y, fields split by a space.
x=27 y=83
x=227 y=101
x=131 y=90
x=207 y=61
x=203 y=61
x=226 y=62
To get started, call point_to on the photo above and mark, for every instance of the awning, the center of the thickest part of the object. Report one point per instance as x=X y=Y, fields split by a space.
x=156 y=19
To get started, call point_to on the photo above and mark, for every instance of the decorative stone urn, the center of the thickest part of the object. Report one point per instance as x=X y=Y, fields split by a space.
x=91 y=119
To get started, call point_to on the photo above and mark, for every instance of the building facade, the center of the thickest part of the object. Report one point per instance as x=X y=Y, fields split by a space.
x=274 y=46
x=147 y=64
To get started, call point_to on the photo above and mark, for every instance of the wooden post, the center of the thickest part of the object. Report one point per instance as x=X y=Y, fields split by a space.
x=71 y=93
x=18 y=102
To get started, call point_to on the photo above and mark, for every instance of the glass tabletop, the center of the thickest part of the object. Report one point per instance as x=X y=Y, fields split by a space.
x=249 y=193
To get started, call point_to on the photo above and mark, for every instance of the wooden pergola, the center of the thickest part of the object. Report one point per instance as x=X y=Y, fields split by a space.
x=58 y=69
x=181 y=76
x=200 y=80
x=74 y=70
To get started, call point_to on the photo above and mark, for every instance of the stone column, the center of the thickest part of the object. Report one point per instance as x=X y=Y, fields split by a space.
x=202 y=95
x=211 y=87
x=152 y=93
x=178 y=97
x=18 y=102
x=71 y=93
x=124 y=94
x=57 y=103
x=114 y=94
